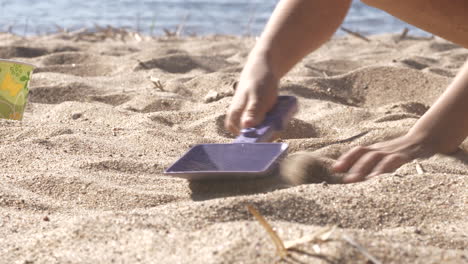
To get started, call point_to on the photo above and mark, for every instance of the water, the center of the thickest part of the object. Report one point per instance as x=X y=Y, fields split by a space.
x=238 y=17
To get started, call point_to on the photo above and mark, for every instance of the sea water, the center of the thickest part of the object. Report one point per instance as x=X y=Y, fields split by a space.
x=200 y=17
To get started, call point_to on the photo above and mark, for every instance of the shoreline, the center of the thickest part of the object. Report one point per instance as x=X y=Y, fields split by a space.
x=179 y=32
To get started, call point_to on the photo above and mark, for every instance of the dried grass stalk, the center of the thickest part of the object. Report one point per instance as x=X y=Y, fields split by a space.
x=358 y=35
x=280 y=248
x=157 y=83
x=361 y=249
x=321 y=235
x=403 y=34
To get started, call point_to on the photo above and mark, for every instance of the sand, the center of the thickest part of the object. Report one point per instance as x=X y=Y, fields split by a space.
x=82 y=177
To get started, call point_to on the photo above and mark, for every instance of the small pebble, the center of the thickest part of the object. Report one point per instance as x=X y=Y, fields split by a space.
x=76 y=115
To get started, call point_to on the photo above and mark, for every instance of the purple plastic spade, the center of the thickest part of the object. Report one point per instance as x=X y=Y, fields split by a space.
x=248 y=156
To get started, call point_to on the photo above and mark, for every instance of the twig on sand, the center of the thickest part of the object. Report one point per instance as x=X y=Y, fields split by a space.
x=280 y=248
x=168 y=32
x=403 y=35
x=181 y=26
x=361 y=249
x=157 y=83
x=356 y=34
x=143 y=65
x=178 y=30
x=60 y=29
x=100 y=34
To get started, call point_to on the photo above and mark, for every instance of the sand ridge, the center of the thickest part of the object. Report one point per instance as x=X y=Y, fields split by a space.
x=82 y=174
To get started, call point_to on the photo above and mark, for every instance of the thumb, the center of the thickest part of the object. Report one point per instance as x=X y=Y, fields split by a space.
x=253 y=114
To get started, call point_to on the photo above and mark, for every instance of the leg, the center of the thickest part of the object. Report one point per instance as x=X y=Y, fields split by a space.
x=447 y=19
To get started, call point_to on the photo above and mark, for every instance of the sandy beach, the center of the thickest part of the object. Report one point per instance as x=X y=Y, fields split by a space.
x=82 y=174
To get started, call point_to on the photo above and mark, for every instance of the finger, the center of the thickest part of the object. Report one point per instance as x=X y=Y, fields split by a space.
x=234 y=114
x=389 y=164
x=364 y=166
x=254 y=113
x=346 y=161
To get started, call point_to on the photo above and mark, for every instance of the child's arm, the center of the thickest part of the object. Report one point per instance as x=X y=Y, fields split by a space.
x=296 y=28
x=440 y=130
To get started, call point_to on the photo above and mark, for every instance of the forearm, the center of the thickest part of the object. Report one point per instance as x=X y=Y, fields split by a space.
x=445 y=125
x=296 y=28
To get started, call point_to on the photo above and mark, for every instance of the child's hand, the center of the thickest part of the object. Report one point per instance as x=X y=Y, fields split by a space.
x=255 y=95
x=361 y=163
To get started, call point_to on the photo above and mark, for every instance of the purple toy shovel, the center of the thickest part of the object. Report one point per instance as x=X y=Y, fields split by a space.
x=247 y=157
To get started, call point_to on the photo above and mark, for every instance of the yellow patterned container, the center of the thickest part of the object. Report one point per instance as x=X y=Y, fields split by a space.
x=14 y=80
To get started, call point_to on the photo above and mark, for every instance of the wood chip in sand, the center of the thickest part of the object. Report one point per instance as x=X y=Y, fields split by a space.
x=419 y=168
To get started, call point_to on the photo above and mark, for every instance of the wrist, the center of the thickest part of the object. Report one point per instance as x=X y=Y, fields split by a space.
x=260 y=68
x=426 y=144
x=435 y=139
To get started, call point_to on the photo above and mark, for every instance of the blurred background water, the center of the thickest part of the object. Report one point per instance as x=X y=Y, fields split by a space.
x=201 y=17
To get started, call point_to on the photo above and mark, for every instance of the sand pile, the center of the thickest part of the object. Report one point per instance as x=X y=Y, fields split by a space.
x=82 y=174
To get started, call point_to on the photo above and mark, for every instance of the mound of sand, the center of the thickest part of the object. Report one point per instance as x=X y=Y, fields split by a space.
x=82 y=174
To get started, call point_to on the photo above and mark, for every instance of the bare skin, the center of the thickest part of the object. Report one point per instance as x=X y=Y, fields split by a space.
x=301 y=26
x=446 y=19
x=440 y=130
x=292 y=28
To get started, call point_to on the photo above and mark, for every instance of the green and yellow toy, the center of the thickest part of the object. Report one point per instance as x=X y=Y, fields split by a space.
x=14 y=81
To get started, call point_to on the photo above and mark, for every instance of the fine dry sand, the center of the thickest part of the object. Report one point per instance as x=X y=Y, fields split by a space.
x=81 y=175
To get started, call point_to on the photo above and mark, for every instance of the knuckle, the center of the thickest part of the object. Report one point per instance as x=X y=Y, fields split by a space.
x=231 y=127
x=230 y=121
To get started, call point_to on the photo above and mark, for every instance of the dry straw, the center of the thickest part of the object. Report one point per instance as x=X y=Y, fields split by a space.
x=283 y=248
x=280 y=248
x=322 y=235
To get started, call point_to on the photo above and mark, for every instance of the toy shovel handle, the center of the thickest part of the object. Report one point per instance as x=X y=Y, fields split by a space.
x=275 y=121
